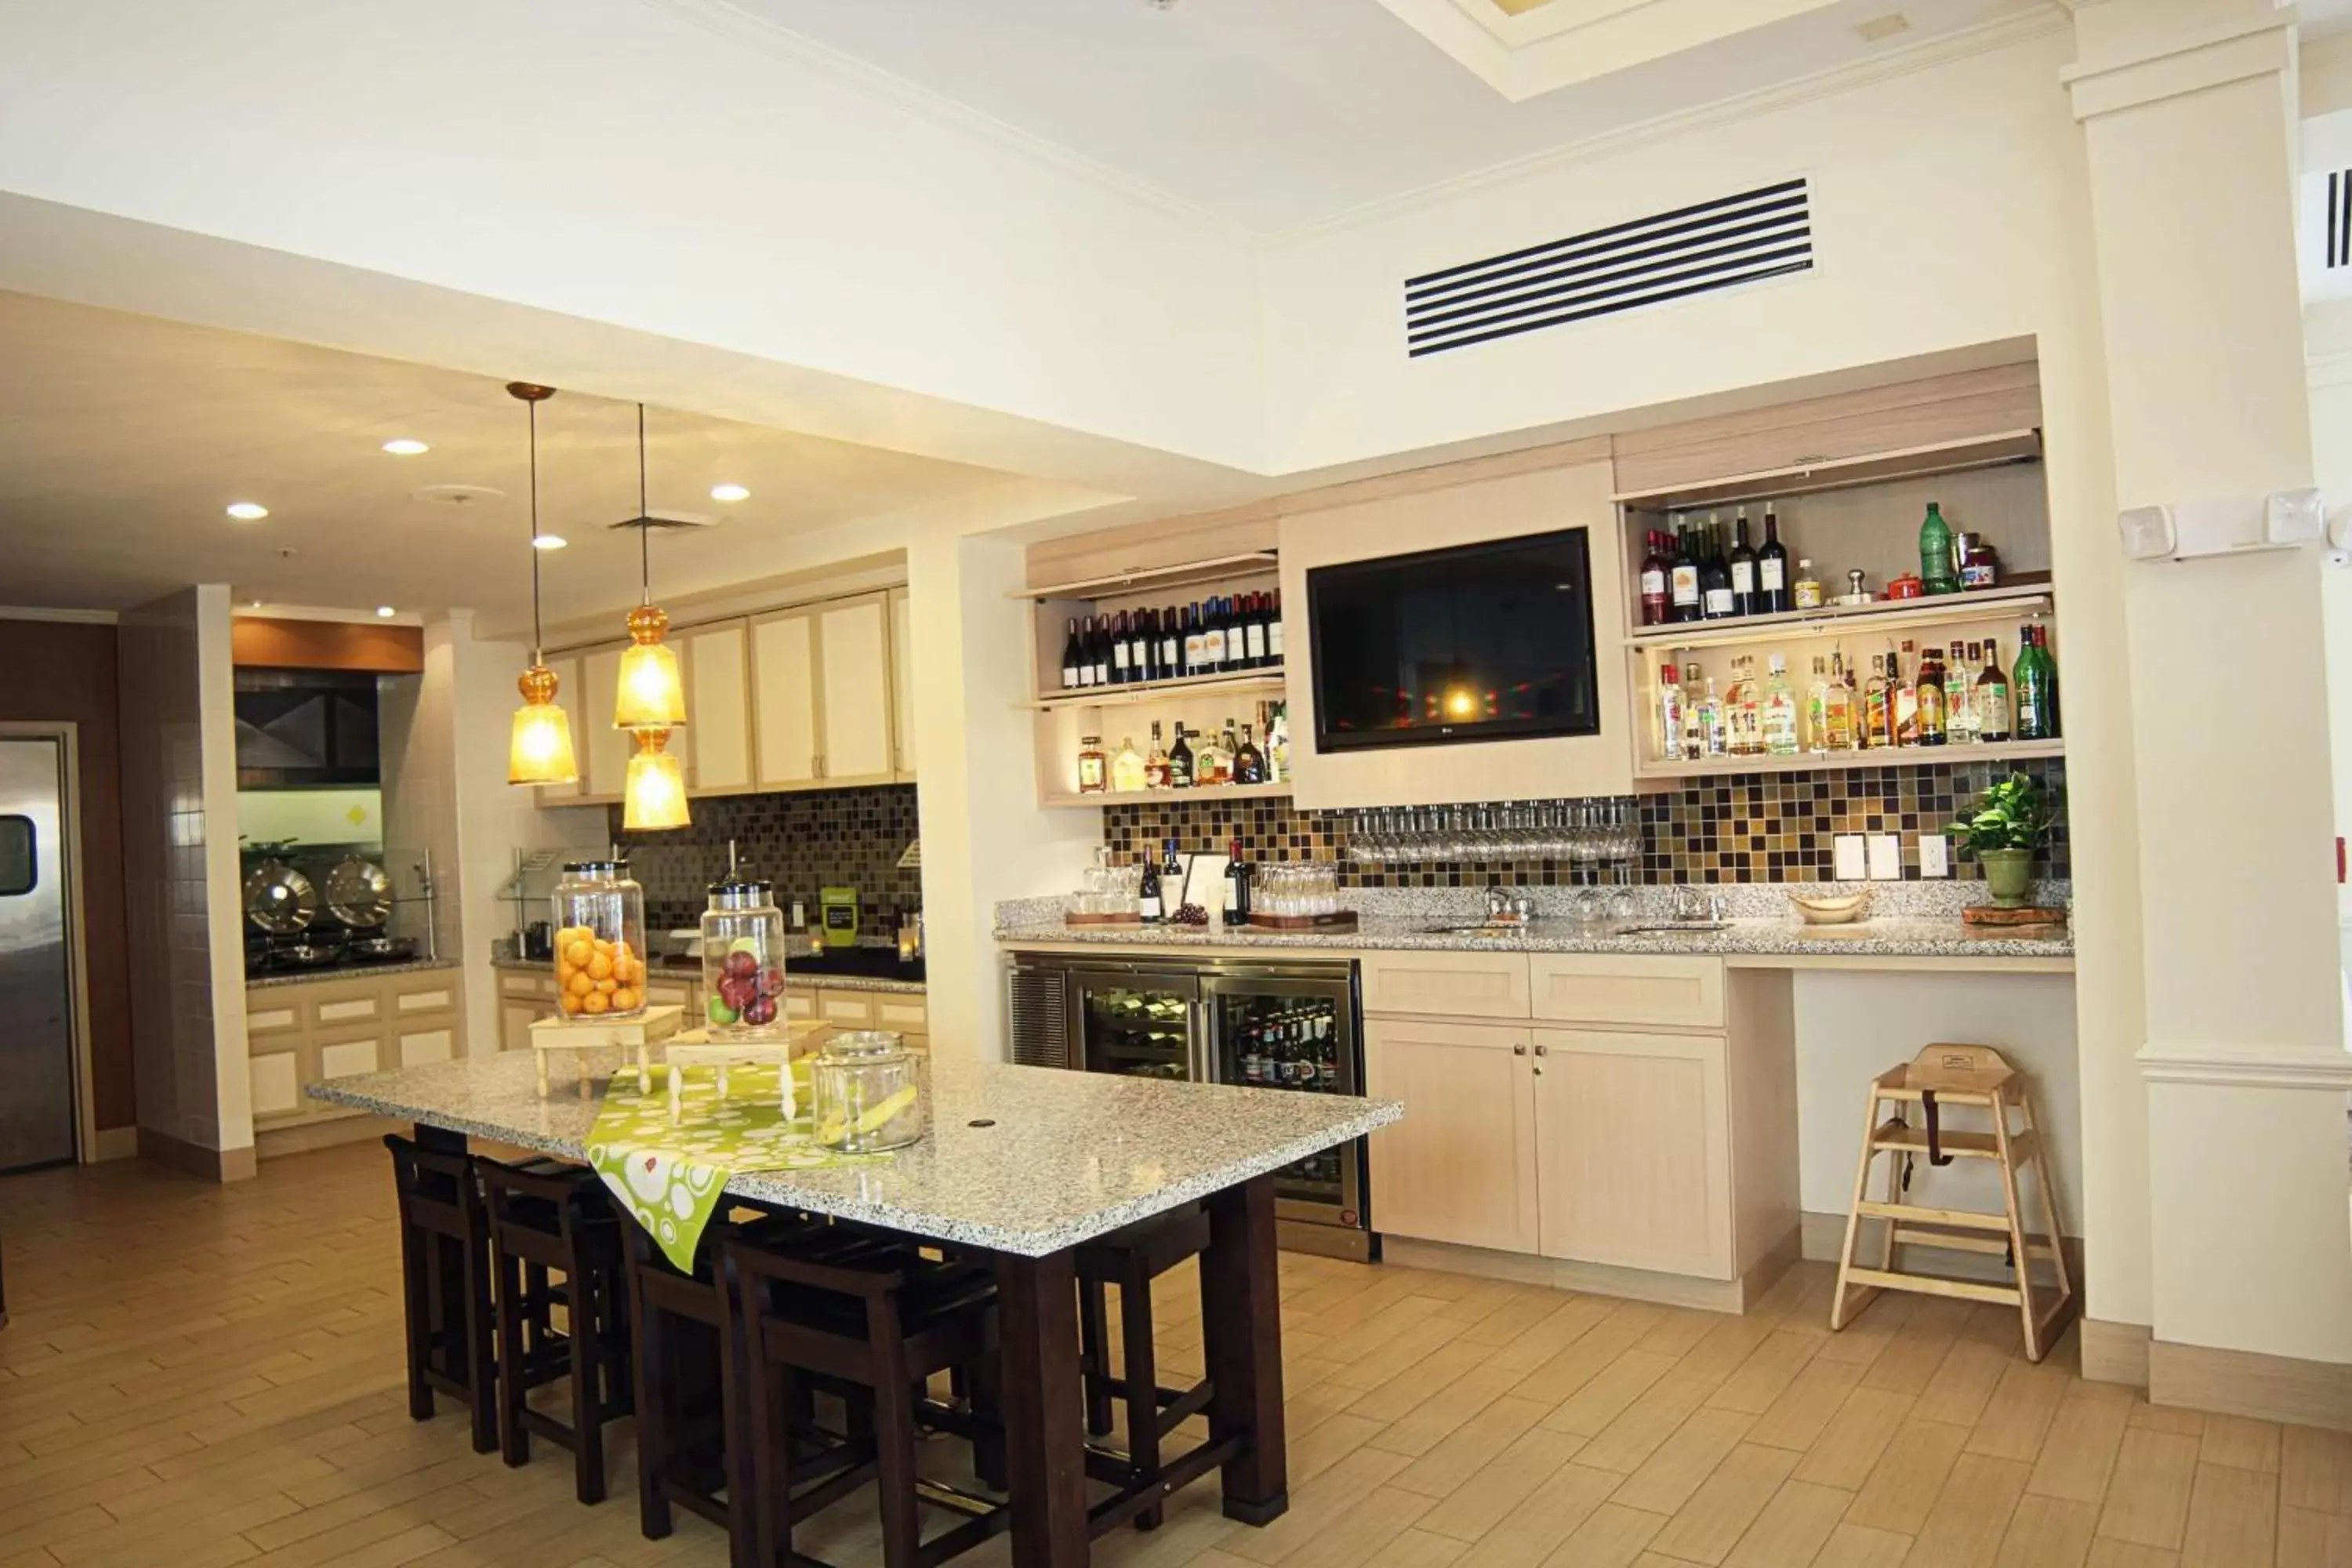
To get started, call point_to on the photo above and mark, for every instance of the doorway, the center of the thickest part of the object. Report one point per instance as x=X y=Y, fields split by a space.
x=39 y=1117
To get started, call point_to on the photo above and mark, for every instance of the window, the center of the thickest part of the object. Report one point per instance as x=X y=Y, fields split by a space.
x=18 y=873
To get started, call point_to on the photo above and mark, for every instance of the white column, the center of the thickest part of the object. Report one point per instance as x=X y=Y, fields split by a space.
x=2188 y=114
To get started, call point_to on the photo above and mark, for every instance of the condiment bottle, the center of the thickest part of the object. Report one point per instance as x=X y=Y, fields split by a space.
x=1808 y=587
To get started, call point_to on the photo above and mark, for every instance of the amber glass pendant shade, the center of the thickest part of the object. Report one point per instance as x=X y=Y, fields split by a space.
x=652 y=693
x=540 y=751
x=655 y=795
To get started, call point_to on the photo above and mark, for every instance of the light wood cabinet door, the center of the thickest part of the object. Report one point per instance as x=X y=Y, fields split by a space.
x=1640 y=990
x=784 y=678
x=718 y=707
x=1461 y=1167
x=1447 y=984
x=855 y=689
x=603 y=752
x=569 y=689
x=515 y=1019
x=902 y=683
x=1633 y=1149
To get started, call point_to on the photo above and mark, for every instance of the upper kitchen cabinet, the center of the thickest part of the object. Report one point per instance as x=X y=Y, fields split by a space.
x=784 y=698
x=717 y=735
x=823 y=690
x=902 y=686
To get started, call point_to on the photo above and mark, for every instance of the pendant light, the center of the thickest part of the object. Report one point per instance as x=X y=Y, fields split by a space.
x=539 y=750
x=651 y=698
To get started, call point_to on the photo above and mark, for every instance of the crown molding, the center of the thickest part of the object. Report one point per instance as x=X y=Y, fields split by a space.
x=724 y=19
x=1985 y=37
x=2183 y=64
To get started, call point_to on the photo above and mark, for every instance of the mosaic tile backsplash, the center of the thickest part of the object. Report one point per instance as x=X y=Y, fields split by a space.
x=801 y=842
x=1745 y=828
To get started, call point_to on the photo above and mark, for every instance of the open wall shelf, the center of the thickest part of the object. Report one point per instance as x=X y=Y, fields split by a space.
x=1841 y=762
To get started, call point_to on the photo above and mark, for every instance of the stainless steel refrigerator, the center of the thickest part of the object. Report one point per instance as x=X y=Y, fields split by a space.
x=1291 y=1027
x=36 y=1053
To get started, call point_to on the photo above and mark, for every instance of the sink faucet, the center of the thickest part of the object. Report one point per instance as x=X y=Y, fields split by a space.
x=1507 y=904
x=1691 y=904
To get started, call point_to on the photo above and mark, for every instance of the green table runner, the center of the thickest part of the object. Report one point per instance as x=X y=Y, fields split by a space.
x=669 y=1177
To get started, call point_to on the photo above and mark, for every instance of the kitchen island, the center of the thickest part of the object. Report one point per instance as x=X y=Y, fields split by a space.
x=1022 y=1164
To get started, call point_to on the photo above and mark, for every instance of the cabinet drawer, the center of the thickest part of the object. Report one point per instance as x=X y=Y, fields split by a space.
x=903 y=1014
x=800 y=1004
x=1612 y=988
x=341 y=1012
x=1447 y=984
x=264 y=1018
x=434 y=997
x=513 y=985
x=848 y=1009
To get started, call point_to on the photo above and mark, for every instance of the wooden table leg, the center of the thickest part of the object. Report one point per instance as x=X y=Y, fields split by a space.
x=1044 y=1436
x=1242 y=1332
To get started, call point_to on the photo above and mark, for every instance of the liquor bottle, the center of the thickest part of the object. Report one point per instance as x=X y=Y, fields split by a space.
x=1180 y=760
x=1682 y=573
x=1694 y=722
x=1121 y=650
x=1209 y=766
x=1714 y=721
x=1903 y=705
x=1992 y=696
x=1273 y=629
x=1155 y=762
x=1817 y=708
x=2034 y=687
x=1780 y=712
x=1102 y=650
x=1274 y=723
x=1934 y=710
x=1655 y=602
x=1171 y=644
x=1150 y=898
x=1258 y=656
x=1238 y=903
x=1230 y=743
x=1961 y=695
x=1773 y=595
x=1877 y=707
x=1249 y=762
x=1743 y=710
x=1094 y=768
x=1070 y=656
x=1844 y=709
x=1743 y=568
x=1715 y=575
x=1936 y=570
x=1126 y=767
x=1670 y=717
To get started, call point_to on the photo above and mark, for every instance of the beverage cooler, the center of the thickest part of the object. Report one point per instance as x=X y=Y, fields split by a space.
x=1278 y=1027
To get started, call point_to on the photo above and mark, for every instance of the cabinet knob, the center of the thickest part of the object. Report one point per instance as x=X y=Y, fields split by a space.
x=1518 y=1050
x=1543 y=1050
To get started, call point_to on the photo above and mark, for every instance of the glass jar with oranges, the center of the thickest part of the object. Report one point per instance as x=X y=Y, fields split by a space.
x=600 y=940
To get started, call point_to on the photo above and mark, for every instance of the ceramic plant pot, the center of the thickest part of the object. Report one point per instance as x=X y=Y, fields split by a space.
x=2008 y=874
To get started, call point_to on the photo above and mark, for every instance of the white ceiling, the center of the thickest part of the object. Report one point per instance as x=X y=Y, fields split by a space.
x=123 y=439
x=1280 y=113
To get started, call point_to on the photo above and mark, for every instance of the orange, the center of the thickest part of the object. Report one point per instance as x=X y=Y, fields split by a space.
x=607 y=986
x=603 y=947
x=623 y=999
x=580 y=985
x=628 y=971
x=571 y=1003
x=577 y=953
x=595 y=1002
x=599 y=967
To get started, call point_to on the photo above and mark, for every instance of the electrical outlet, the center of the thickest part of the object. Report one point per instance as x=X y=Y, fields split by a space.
x=1848 y=863
x=1934 y=855
x=1887 y=856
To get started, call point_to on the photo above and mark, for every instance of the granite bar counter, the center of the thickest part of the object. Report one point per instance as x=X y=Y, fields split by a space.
x=348 y=971
x=794 y=979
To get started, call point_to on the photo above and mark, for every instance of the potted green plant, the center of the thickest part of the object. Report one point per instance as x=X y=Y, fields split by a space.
x=2002 y=830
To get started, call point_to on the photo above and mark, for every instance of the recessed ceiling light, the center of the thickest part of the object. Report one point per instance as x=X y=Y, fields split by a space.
x=404 y=447
x=729 y=492
x=247 y=511
x=548 y=541
x=385 y=611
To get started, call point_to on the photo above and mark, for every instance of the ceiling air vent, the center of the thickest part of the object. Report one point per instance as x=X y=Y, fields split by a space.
x=1756 y=234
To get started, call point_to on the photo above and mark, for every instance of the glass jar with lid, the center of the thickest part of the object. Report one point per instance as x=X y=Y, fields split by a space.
x=600 y=940
x=743 y=961
x=864 y=1092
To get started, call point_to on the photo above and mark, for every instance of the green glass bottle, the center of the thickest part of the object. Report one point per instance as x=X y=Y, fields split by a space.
x=2034 y=687
x=1936 y=570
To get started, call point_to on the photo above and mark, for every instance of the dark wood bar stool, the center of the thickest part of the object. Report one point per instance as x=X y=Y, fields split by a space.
x=1131 y=1259
x=868 y=1316
x=693 y=1425
x=555 y=1240
x=446 y=1284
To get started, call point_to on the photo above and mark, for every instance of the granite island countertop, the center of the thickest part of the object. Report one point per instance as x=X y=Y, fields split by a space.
x=1018 y=1159
x=1892 y=937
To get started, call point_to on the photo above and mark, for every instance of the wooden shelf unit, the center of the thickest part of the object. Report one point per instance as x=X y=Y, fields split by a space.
x=1140 y=691
x=2031 y=600
x=1929 y=461
x=1171 y=796
x=1841 y=762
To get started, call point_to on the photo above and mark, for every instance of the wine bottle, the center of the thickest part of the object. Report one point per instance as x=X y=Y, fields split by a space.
x=1715 y=575
x=1743 y=568
x=1172 y=879
x=1171 y=644
x=1236 y=886
x=1121 y=659
x=1654 y=567
x=1682 y=574
x=1772 y=569
x=1274 y=628
x=1086 y=651
x=1102 y=650
x=1070 y=656
x=1192 y=639
x=1153 y=908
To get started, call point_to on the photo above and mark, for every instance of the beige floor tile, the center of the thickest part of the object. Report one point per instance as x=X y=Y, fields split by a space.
x=1316 y=1506
x=2079 y=1454
x=1469 y=1447
x=1614 y=1537
x=2106 y=1552
x=1963 y=1384
x=1857 y=1546
x=1606 y=1390
x=1681 y=1464
x=1485 y=1498
x=2315 y=1469
x=1757 y=1382
x=1418 y=1549
x=2147 y=1501
x=2048 y=1533
x=2314 y=1537
x=2017 y=1416
x=1855 y=1439
x=2233 y=1517
x=1971 y=1514
x=1453 y=1407
x=1711 y=1521
x=1803 y=1411
x=1627 y=1443
x=1794 y=1528
x=1904 y=1484
x=1531 y=1531
x=2243 y=1443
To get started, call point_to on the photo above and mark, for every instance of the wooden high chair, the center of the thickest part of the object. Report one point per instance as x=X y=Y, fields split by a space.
x=1936 y=1081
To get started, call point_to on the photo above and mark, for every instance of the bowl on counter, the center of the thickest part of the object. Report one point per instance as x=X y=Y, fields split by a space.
x=1834 y=910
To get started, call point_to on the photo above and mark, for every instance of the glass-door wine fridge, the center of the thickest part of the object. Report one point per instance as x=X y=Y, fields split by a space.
x=1289 y=1027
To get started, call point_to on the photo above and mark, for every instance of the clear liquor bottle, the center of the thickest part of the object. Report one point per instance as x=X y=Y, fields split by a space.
x=1817 y=707
x=1694 y=719
x=1155 y=762
x=1744 y=705
x=1877 y=707
x=1843 y=707
x=1961 y=721
x=1713 y=721
x=1672 y=718
x=1127 y=768
x=1779 y=712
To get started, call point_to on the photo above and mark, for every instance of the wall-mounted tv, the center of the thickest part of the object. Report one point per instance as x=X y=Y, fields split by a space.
x=1480 y=642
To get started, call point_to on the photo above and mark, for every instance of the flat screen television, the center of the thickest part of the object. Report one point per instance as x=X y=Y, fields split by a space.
x=1480 y=642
